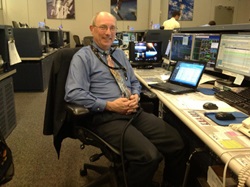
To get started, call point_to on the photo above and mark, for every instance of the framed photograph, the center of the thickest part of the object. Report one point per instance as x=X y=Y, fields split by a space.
x=186 y=8
x=60 y=9
x=124 y=9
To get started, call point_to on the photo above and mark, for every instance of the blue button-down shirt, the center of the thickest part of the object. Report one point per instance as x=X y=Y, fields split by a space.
x=91 y=84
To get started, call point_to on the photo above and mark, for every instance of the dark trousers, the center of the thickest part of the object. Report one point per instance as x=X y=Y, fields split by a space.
x=147 y=140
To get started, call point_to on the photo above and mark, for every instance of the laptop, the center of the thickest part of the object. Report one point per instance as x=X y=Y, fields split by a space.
x=184 y=78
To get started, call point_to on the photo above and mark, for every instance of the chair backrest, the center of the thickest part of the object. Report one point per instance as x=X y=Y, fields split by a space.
x=58 y=121
x=55 y=105
x=87 y=40
x=77 y=41
x=15 y=24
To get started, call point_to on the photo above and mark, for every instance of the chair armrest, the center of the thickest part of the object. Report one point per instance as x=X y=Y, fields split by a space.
x=76 y=110
x=86 y=135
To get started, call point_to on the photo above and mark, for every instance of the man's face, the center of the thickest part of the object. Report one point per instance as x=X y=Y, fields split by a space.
x=104 y=31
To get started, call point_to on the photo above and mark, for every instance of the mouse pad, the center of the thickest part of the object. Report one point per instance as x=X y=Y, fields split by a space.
x=239 y=117
x=206 y=91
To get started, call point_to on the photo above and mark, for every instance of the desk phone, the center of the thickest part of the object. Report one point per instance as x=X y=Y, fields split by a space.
x=244 y=127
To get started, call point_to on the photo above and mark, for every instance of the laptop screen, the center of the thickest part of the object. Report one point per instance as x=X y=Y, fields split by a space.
x=145 y=53
x=187 y=73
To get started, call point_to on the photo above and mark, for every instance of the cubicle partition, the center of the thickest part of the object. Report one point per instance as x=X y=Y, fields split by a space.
x=7 y=102
x=36 y=47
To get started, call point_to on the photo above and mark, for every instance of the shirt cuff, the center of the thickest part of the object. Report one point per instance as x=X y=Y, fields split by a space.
x=99 y=106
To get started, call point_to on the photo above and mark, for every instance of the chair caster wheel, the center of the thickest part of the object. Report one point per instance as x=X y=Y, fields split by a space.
x=83 y=172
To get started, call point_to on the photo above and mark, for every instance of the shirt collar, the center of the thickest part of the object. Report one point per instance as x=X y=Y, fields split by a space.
x=101 y=50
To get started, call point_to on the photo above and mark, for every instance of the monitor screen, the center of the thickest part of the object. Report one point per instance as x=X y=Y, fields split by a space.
x=206 y=48
x=145 y=53
x=156 y=26
x=162 y=36
x=128 y=36
x=181 y=46
x=234 y=55
x=115 y=43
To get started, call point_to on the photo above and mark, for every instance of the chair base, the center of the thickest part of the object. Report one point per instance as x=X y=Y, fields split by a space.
x=108 y=175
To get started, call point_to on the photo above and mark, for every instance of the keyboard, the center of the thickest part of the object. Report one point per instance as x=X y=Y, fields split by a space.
x=150 y=73
x=240 y=100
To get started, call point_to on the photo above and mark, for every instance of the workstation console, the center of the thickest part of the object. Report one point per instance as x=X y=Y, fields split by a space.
x=210 y=143
x=36 y=47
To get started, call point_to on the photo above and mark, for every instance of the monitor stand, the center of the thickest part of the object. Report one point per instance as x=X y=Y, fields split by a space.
x=227 y=82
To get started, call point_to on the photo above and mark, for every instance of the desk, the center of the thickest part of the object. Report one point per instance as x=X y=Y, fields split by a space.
x=207 y=131
x=33 y=73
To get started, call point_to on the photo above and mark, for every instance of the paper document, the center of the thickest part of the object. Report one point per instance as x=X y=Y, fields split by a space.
x=206 y=78
x=14 y=56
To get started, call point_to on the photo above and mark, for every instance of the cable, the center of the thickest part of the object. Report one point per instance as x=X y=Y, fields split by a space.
x=122 y=146
x=243 y=174
x=225 y=171
x=196 y=150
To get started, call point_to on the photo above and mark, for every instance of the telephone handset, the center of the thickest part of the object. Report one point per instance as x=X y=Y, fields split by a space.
x=244 y=127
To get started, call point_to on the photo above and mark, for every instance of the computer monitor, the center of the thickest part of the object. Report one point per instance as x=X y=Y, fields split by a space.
x=115 y=43
x=145 y=53
x=127 y=37
x=162 y=36
x=181 y=46
x=156 y=26
x=206 y=47
x=234 y=55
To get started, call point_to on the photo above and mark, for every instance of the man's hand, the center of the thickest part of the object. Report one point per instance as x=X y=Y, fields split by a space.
x=124 y=105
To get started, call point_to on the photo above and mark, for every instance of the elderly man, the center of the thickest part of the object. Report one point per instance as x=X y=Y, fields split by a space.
x=101 y=79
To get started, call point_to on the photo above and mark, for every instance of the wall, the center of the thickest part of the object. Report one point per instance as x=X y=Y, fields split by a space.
x=204 y=11
x=33 y=11
x=1 y=17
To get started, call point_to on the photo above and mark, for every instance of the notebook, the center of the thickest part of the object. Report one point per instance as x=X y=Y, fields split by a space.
x=184 y=78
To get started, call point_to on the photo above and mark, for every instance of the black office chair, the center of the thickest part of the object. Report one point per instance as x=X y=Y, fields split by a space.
x=87 y=40
x=77 y=41
x=69 y=120
x=15 y=24
x=64 y=120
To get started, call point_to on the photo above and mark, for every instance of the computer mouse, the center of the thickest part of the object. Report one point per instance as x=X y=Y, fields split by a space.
x=224 y=116
x=210 y=106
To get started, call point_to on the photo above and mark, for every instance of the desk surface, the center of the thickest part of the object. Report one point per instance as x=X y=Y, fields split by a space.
x=7 y=74
x=231 y=146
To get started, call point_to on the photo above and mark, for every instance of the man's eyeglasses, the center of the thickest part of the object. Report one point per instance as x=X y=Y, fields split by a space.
x=105 y=28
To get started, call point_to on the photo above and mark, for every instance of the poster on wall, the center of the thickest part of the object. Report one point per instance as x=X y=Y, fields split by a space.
x=124 y=9
x=186 y=8
x=60 y=9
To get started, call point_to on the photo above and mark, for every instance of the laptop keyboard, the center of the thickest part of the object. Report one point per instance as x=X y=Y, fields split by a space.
x=173 y=86
x=169 y=86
